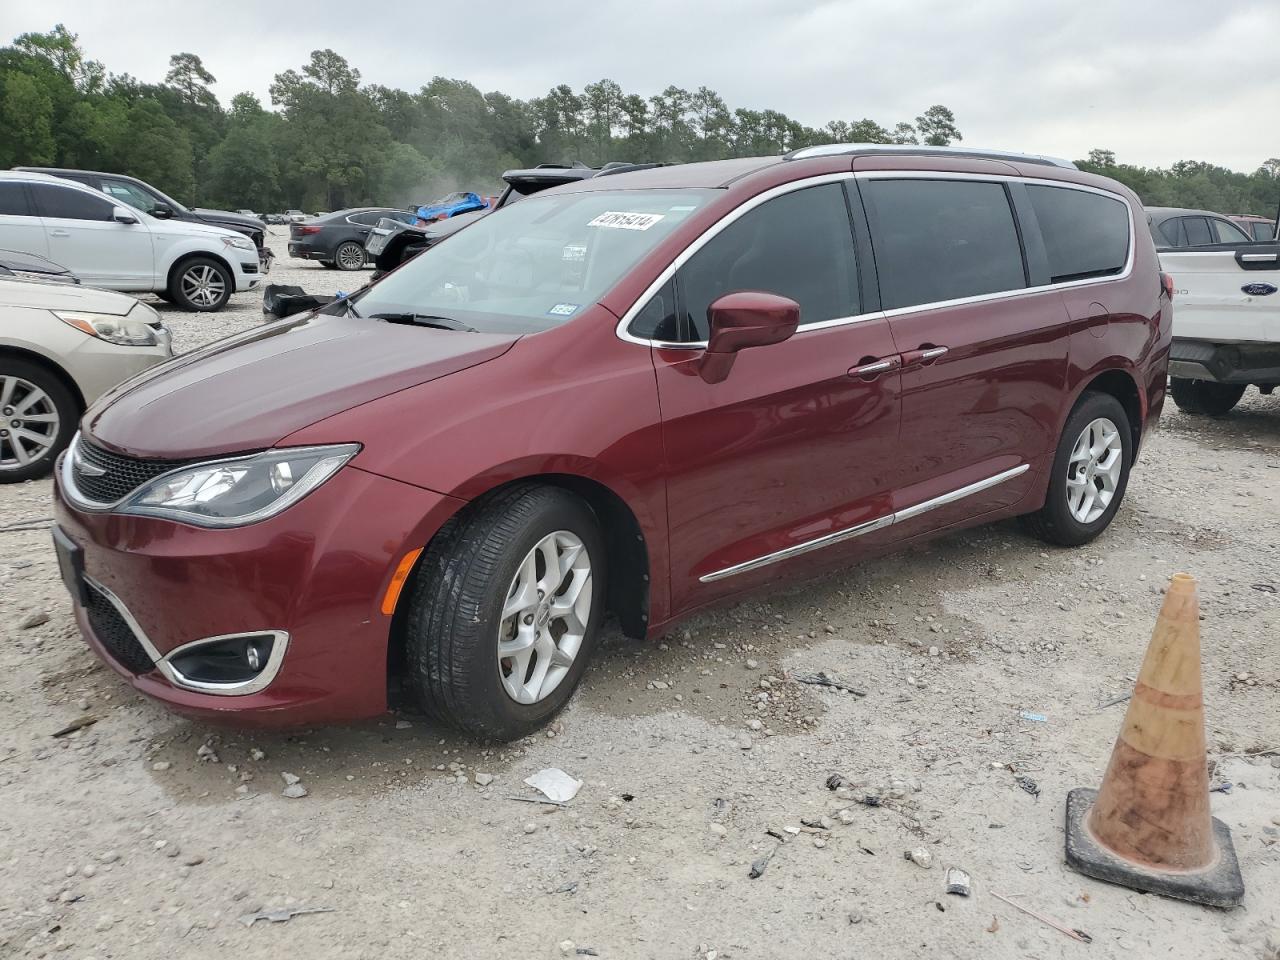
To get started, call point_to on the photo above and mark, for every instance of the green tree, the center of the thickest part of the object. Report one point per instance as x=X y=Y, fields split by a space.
x=937 y=126
x=26 y=122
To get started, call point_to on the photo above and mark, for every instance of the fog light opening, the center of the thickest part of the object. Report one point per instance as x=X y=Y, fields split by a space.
x=230 y=662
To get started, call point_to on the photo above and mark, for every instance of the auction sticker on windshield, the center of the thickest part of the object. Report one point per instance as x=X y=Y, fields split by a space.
x=618 y=220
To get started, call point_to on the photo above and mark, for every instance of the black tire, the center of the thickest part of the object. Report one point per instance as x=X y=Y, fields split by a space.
x=455 y=608
x=1054 y=522
x=1206 y=396
x=193 y=268
x=349 y=255
x=64 y=406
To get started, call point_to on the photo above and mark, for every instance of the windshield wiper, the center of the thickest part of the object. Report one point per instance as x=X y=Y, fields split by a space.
x=424 y=320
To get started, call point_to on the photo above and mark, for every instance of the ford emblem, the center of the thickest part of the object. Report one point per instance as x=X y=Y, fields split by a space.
x=1259 y=289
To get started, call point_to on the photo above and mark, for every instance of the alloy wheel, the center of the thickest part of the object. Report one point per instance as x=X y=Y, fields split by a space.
x=544 y=618
x=350 y=256
x=28 y=422
x=203 y=285
x=1093 y=472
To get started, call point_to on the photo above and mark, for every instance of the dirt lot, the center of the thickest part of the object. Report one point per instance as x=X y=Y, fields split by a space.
x=145 y=835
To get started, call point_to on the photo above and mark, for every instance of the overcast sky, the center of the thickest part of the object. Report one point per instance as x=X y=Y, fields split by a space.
x=1154 y=80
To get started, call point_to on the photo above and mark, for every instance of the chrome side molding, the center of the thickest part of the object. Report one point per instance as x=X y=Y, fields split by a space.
x=868 y=526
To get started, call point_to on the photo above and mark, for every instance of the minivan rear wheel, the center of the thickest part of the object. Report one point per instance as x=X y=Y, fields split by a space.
x=1090 y=473
x=505 y=610
x=1205 y=396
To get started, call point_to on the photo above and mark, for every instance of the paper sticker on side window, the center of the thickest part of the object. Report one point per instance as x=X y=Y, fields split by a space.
x=618 y=220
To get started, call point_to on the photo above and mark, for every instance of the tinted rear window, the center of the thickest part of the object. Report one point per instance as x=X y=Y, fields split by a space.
x=939 y=240
x=1085 y=234
x=1197 y=230
x=13 y=200
x=68 y=204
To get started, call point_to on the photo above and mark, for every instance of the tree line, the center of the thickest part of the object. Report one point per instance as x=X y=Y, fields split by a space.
x=329 y=140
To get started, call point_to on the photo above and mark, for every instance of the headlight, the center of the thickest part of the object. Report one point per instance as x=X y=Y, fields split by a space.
x=239 y=491
x=122 y=330
x=240 y=243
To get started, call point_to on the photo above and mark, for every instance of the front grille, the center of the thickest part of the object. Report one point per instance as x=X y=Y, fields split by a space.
x=114 y=633
x=122 y=474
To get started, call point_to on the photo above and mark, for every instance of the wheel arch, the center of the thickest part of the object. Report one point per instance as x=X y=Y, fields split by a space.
x=182 y=258
x=1121 y=384
x=51 y=366
x=628 y=556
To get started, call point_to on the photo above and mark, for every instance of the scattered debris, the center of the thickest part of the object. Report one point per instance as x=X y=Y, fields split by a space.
x=920 y=856
x=1114 y=700
x=958 y=882
x=34 y=619
x=290 y=779
x=1071 y=932
x=570 y=887
x=823 y=679
x=294 y=791
x=550 y=803
x=78 y=724
x=838 y=780
x=1033 y=717
x=758 y=866
x=586 y=952
x=1264 y=587
x=995 y=924
x=483 y=779
x=769 y=831
x=1224 y=787
x=1027 y=784
x=557 y=785
x=280 y=915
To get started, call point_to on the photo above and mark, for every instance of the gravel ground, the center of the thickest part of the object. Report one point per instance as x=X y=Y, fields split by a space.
x=145 y=835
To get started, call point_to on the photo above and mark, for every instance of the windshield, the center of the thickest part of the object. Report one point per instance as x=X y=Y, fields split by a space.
x=534 y=264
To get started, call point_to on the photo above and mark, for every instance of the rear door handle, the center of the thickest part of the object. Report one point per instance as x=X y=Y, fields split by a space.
x=924 y=355
x=59 y=233
x=873 y=368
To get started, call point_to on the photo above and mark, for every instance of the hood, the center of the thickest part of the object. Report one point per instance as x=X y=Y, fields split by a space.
x=238 y=221
x=250 y=391
x=41 y=295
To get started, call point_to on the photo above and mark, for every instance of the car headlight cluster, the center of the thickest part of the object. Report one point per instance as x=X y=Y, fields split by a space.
x=240 y=243
x=122 y=330
x=241 y=490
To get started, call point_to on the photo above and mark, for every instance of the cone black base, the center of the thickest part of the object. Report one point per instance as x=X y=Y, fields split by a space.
x=1217 y=886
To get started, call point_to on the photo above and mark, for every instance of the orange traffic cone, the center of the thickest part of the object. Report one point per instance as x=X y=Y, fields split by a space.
x=1149 y=826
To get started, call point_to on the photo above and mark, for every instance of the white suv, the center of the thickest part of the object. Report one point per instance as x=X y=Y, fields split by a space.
x=195 y=265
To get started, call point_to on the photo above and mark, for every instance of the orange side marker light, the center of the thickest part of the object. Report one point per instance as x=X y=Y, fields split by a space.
x=397 y=581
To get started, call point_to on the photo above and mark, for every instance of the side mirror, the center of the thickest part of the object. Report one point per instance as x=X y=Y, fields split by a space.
x=747 y=318
x=123 y=215
x=162 y=210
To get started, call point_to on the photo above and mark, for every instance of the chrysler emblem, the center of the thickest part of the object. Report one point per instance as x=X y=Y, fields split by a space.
x=88 y=469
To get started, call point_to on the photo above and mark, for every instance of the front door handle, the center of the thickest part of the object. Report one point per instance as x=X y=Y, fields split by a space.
x=923 y=356
x=59 y=233
x=873 y=368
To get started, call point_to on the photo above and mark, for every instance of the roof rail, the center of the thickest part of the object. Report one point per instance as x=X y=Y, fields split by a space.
x=911 y=150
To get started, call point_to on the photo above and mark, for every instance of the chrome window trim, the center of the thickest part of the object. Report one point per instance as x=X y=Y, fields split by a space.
x=280 y=641
x=865 y=527
x=622 y=333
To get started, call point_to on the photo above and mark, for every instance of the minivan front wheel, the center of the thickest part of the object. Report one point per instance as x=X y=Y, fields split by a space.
x=505 y=610
x=1090 y=473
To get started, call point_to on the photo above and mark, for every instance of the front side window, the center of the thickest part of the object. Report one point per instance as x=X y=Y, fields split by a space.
x=65 y=203
x=1224 y=231
x=13 y=200
x=1085 y=234
x=1197 y=230
x=535 y=264
x=938 y=240
x=127 y=193
x=798 y=245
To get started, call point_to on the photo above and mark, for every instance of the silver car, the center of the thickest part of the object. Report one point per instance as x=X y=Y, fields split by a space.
x=61 y=347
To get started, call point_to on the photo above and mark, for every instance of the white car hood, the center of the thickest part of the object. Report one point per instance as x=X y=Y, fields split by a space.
x=64 y=296
x=186 y=228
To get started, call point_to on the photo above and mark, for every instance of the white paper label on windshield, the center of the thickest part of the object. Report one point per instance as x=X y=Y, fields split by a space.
x=619 y=220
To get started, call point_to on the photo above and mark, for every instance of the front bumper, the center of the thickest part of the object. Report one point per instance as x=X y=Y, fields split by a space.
x=248 y=272
x=315 y=574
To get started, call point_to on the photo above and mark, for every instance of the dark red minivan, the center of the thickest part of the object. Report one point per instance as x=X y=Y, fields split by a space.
x=636 y=395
